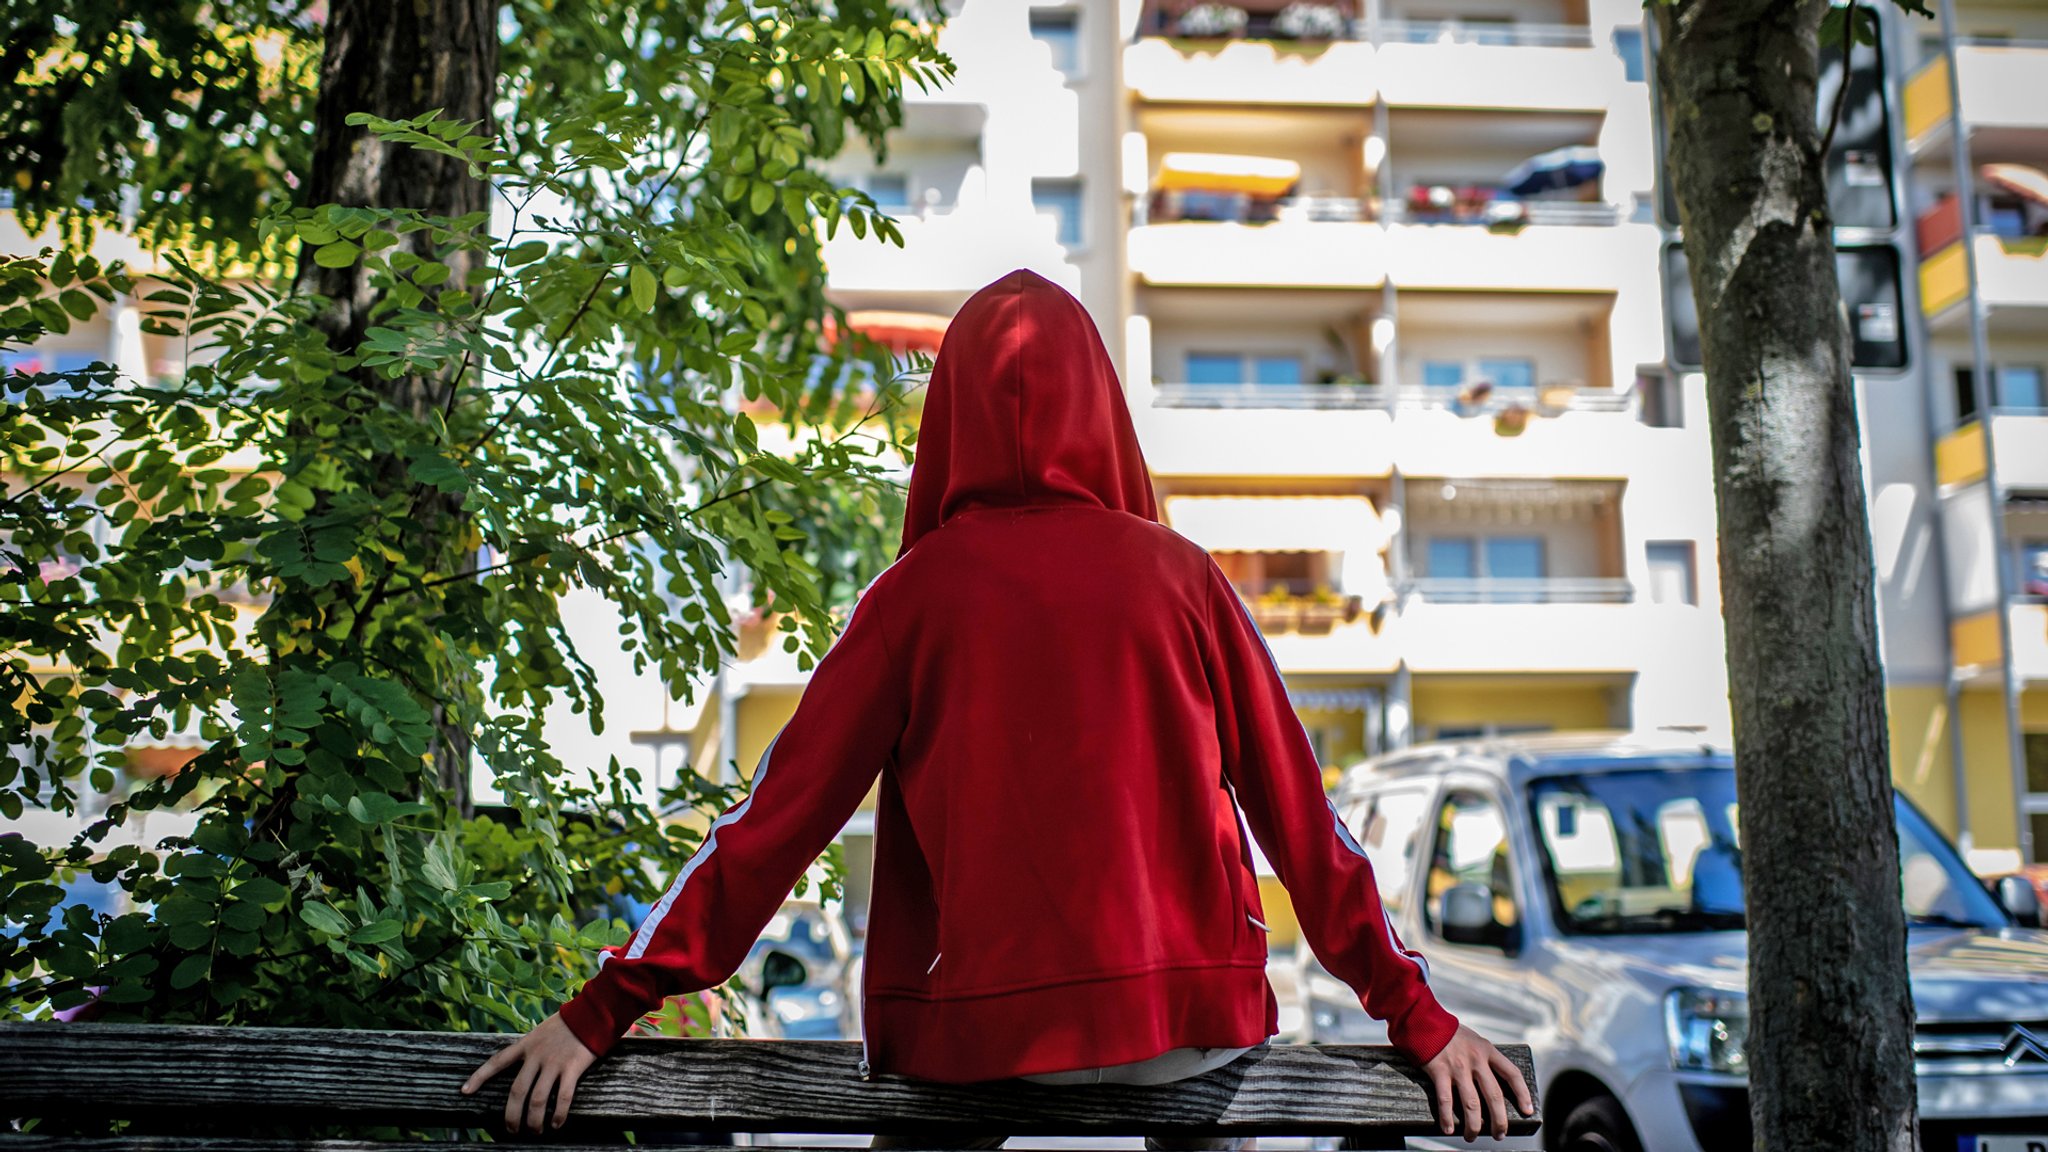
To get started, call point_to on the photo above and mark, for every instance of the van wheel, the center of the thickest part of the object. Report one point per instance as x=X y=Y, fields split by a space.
x=1599 y=1125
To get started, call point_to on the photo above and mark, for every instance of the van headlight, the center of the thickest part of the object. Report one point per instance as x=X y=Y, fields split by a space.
x=1708 y=1030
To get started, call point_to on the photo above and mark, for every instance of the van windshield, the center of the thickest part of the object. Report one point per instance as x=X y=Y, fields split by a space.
x=1656 y=850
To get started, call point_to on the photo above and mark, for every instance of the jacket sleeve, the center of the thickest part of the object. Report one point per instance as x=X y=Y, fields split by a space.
x=1272 y=769
x=809 y=782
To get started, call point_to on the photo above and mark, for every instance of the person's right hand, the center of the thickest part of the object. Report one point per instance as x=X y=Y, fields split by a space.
x=1467 y=1076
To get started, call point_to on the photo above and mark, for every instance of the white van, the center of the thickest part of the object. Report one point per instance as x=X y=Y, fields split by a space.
x=1583 y=895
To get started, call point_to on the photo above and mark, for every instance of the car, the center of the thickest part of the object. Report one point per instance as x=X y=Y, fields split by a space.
x=1583 y=895
x=798 y=976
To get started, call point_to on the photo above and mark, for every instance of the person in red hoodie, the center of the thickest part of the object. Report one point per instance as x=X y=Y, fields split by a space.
x=1067 y=707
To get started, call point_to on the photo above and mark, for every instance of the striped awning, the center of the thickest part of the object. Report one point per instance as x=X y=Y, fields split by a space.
x=1278 y=523
x=1217 y=172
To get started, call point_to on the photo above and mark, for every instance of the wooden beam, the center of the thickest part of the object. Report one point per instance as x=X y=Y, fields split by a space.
x=224 y=1079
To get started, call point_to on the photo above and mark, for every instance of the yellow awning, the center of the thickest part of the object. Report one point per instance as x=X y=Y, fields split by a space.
x=1216 y=172
x=1278 y=523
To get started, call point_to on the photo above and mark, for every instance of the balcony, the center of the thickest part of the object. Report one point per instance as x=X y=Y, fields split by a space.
x=1372 y=397
x=1453 y=64
x=1999 y=83
x=2020 y=439
x=2029 y=622
x=1307 y=615
x=1480 y=590
x=1251 y=72
x=2012 y=277
x=949 y=252
x=1596 y=637
x=1283 y=254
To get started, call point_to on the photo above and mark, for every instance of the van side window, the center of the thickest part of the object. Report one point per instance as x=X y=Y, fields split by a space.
x=1389 y=828
x=1472 y=848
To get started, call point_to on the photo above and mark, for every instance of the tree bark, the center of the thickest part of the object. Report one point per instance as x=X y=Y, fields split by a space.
x=397 y=61
x=1831 y=1015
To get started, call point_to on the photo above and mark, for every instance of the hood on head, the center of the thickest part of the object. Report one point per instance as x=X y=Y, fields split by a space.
x=1024 y=408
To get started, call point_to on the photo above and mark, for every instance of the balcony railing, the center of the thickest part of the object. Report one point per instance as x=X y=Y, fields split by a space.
x=1238 y=208
x=1511 y=213
x=1539 y=590
x=1306 y=615
x=1324 y=397
x=1483 y=32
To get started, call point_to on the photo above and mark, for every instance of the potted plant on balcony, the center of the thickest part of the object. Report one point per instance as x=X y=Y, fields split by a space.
x=1309 y=21
x=1212 y=22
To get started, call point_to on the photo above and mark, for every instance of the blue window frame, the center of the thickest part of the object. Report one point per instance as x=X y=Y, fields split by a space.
x=1452 y=558
x=1215 y=368
x=1060 y=32
x=1509 y=375
x=1060 y=199
x=1443 y=374
x=1514 y=557
x=1281 y=370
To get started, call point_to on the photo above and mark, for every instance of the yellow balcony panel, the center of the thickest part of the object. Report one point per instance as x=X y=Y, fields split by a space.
x=1944 y=280
x=2021 y=443
x=2030 y=642
x=1520 y=258
x=1975 y=642
x=1285 y=254
x=1250 y=72
x=1959 y=456
x=1926 y=99
x=2012 y=272
x=2000 y=85
x=1537 y=67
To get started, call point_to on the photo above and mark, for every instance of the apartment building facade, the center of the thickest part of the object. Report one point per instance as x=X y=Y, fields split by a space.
x=1973 y=166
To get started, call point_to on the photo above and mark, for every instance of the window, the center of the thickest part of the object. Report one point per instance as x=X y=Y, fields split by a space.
x=2014 y=387
x=1514 y=557
x=1061 y=200
x=1060 y=32
x=1239 y=368
x=1514 y=375
x=1966 y=395
x=1671 y=572
x=1388 y=828
x=1504 y=373
x=1472 y=849
x=1451 y=558
x=2033 y=574
x=1209 y=368
x=1443 y=374
x=1661 y=403
x=2019 y=387
x=1628 y=44
x=2037 y=768
x=888 y=189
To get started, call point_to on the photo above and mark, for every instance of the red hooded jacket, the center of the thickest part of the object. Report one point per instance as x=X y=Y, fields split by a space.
x=1067 y=706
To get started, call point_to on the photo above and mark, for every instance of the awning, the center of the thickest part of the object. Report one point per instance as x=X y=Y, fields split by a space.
x=1278 y=523
x=1215 y=172
x=901 y=332
x=2018 y=179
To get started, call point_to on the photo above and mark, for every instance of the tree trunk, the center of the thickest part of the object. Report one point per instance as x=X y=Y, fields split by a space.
x=397 y=61
x=1831 y=1015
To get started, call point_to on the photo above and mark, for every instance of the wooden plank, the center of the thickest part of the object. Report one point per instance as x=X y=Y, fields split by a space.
x=228 y=1077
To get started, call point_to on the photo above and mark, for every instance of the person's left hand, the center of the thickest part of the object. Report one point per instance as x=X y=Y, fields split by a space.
x=550 y=1058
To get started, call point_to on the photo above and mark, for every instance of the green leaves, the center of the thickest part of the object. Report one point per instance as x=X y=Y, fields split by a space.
x=333 y=573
